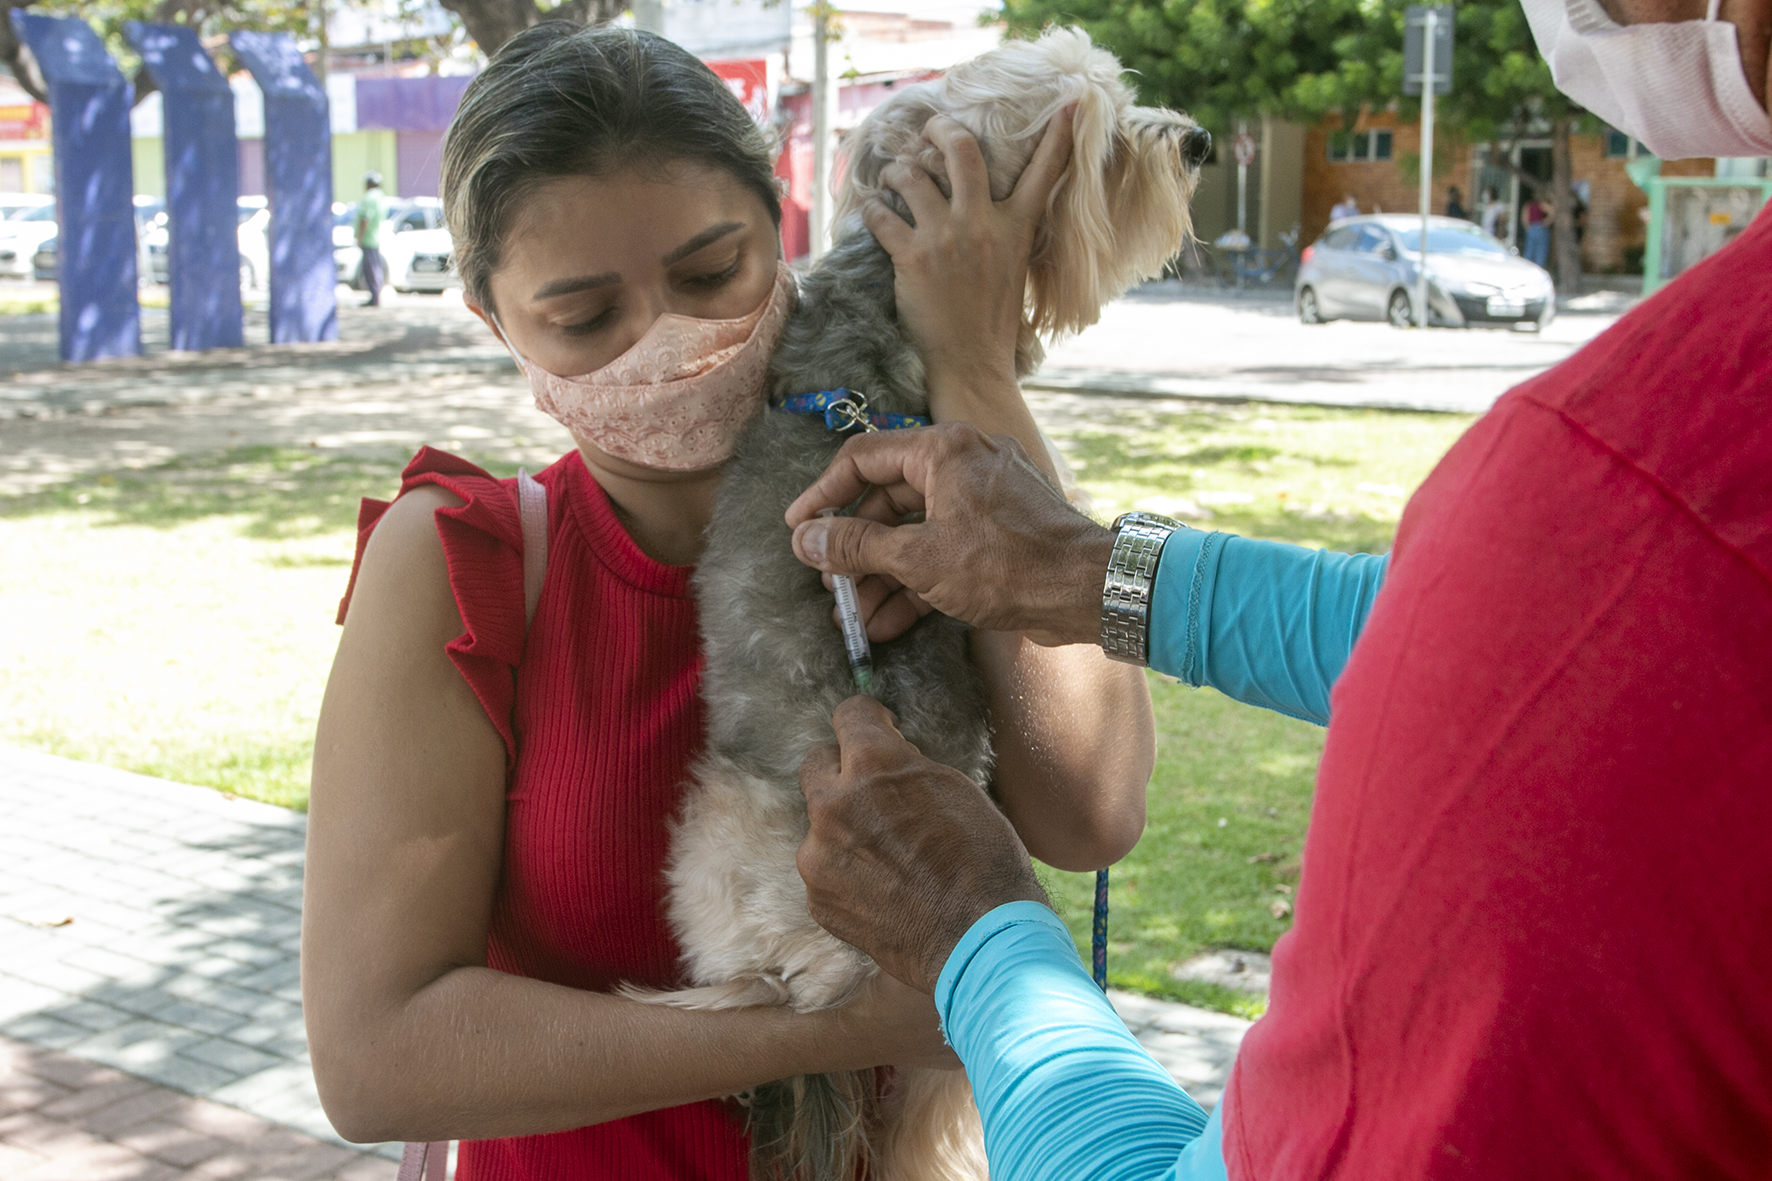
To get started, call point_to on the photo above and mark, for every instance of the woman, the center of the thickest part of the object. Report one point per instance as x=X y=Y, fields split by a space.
x=490 y=806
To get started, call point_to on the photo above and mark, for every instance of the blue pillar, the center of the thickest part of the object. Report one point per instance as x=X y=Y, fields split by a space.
x=298 y=174
x=202 y=186
x=89 y=105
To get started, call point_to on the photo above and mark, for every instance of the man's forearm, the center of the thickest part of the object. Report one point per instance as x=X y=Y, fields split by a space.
x=1263 y=622
x=1063 y=1088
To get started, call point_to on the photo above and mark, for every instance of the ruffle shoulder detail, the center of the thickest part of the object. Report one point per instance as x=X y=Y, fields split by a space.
x=483 y=548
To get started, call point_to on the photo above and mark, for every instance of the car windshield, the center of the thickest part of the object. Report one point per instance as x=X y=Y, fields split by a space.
x=1452 y=240
x=40 y=213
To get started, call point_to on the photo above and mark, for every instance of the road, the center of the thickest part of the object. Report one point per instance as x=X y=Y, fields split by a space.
x=1173 y=341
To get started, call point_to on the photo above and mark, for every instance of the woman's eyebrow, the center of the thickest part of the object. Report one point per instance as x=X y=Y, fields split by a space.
x=569 y=286
x=702 y=239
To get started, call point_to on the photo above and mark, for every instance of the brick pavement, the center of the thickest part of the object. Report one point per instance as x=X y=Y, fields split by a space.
x=65 y=1119
x=150 y=1008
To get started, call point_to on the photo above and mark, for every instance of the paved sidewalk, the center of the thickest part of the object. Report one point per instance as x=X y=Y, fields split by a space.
x=154 y=928
x=65 y=1118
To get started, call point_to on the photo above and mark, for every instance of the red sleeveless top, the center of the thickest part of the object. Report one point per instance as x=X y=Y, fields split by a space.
x=600 y=710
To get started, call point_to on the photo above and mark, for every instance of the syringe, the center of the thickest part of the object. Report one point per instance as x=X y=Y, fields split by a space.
x=855 y=635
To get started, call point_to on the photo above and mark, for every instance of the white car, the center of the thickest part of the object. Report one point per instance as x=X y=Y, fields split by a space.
x=422 y=260
x=21 y=235
x=250 y=234
x=406 y=215
x=13 y=204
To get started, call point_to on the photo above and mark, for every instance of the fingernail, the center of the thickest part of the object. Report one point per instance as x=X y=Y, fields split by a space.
x=814 y=536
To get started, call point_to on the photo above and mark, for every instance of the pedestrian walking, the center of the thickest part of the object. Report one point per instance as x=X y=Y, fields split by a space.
x=372 y=210
x=1346 y=207
x=1455 y=204
x=1493 y=213
x=1536 y=215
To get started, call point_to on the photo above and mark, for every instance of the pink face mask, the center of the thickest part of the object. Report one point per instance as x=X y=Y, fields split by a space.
x=678 y=398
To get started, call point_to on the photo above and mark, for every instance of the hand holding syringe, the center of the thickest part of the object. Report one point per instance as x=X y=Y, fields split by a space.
x=855 y=632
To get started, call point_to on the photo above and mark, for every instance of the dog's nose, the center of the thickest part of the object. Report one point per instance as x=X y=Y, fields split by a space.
x=1196 y=147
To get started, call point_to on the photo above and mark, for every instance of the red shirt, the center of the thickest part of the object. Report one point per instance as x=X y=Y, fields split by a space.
x=600 y=711
x=1534 y=928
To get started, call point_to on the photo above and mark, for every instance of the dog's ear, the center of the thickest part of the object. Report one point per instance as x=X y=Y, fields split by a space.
x=1077 y=235
x=1119 y=214
x=894 y=131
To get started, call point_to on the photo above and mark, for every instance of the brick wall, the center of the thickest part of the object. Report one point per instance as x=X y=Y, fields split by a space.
x=1379 y=185
x=1615 y=219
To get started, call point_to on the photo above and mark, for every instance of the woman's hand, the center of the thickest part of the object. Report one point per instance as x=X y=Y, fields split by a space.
x=960 y=274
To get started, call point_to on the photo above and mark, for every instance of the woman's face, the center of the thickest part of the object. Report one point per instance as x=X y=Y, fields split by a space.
x=591 y=261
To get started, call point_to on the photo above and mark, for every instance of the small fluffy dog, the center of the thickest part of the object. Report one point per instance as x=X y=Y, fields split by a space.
x=776 y=667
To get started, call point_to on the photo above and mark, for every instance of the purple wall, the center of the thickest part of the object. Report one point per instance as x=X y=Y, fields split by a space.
x=420 y=157
x=408 y=104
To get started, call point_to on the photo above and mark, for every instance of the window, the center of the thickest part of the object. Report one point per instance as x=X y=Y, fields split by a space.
x=1341 y=239
x=1374 y=241
x=1359 y=146
x=1618 y=145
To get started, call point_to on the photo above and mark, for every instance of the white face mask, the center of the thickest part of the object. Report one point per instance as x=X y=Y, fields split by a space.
x=1676 y=86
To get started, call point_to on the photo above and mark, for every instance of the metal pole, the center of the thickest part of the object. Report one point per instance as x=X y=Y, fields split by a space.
x=1242 y=198
x=1427 y=159
x=822 y=94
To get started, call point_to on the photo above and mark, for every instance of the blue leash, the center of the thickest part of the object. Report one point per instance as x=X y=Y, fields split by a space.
x=1098 y=935
x=846 y=411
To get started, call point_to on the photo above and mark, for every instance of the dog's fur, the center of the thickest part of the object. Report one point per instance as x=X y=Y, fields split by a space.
x=776 y=667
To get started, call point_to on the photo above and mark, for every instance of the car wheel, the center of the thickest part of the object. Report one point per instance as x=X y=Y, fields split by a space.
x=1400 y=311
x=1309 y=311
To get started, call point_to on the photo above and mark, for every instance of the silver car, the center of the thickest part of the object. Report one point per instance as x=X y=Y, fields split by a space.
x=1365 y=268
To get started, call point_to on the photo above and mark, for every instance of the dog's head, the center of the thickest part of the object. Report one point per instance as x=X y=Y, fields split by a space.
x=1120 y=211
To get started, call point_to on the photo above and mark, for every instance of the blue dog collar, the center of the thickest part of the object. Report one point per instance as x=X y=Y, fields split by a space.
x=846 y=411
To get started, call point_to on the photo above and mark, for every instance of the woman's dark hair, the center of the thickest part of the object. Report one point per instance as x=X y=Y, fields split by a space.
x=560 y=99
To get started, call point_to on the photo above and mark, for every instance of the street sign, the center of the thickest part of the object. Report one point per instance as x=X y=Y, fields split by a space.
x=1415 y=24
x=1244 y=147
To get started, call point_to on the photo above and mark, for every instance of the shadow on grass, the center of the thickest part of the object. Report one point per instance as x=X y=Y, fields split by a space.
x=281 y=492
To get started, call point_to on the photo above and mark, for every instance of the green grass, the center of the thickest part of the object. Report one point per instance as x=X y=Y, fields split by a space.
x=177 y=620
x=1317 y=477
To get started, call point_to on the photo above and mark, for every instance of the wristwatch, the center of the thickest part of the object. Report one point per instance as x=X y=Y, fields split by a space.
x=1131 y=574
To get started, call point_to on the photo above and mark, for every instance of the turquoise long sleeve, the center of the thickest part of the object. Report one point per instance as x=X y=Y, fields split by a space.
x=1263 y=622
x=1065 y=1091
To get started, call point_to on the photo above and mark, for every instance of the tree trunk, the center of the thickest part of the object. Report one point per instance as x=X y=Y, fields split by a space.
x=9 y=52
x=493 y=22
x=1567 y=249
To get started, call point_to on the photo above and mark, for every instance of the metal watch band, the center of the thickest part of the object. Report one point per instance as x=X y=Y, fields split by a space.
x=1131 y=574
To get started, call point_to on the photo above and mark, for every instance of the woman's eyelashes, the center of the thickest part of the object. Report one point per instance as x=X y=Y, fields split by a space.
x=600 y=321
x=707 y=282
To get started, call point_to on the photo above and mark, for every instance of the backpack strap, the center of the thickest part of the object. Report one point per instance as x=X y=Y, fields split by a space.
x=428 y=1161
x=424 y=1162
x=532 y=505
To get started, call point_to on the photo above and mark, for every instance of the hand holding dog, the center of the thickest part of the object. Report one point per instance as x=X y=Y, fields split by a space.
x=960 y=274
x=904 y=854
x=998 y=546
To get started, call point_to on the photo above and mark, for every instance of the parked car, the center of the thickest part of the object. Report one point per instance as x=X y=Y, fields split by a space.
x=251 y=227
x=12 y=204
x=1366 y=268
x=20 y=235
x=150 y=213
x=43 y=263
x=406 y=215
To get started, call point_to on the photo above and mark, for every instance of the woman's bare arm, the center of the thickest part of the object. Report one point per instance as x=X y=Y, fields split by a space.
x=1075 y=738
x=412 y=1036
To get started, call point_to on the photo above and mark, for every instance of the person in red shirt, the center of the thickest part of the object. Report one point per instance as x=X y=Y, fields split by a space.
x=1535 y=912
x=492 y=794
